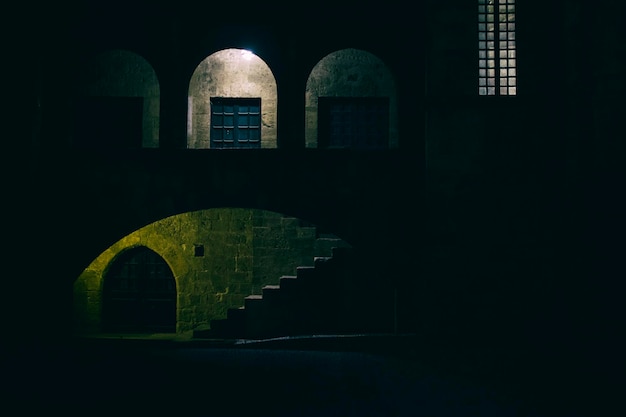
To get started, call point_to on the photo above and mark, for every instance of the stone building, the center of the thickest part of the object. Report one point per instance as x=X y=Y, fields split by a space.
x=465 y=154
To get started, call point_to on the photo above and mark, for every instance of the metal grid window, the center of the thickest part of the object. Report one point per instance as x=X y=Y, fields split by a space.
x=139 y=293
x=497 y=66
x=353 y=122
x=235 y=122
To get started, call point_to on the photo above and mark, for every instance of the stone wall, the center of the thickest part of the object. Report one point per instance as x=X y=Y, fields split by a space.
x=242 y=250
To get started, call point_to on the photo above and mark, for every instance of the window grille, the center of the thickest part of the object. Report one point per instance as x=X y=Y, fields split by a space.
x=139 y=293
x=353 y=122
x=497 y=66
x=235 y=122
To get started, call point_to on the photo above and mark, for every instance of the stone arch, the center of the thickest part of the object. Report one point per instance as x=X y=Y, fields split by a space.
x=89 y=285
x=128 y=77
x=232 y=73
x=349 y=73
x=218 y=256
x=139 y=293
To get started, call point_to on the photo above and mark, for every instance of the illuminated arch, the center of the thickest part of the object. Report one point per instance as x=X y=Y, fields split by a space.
x=230 y=73
x=218 y=256
x=139 y=293
x=88 y=288
x=349 y=73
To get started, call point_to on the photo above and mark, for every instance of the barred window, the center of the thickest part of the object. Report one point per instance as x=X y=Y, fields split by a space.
x=235 y=122
x=139 y=293
x=353 y=122
x=497 y=66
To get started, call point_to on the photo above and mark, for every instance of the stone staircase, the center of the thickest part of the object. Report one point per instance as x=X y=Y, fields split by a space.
x=320 y=299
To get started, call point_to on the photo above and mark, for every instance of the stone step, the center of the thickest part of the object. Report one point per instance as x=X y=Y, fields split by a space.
x=236 y=313
x=324 y=244
x=220 y=328
x=252 y=301
x=301 y=303
x=321 y=259
x=288 y=282
x=218 y=325
x=272 y=293
x=270 y=288
x=305 y=272
x=233 y=326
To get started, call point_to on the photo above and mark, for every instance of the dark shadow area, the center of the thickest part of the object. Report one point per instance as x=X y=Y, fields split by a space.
x=108 y=123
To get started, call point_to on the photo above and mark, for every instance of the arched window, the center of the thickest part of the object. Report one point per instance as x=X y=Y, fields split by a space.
x=497 y=66
x=117 y=103
x=235 y=122
x=232 y=102
x=350 y=102
x=139 y=294
x=353 y=122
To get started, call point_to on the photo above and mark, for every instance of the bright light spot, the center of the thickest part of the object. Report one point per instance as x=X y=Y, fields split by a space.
x=247 y=55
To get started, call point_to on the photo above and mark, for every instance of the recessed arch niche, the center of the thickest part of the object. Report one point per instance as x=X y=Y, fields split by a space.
x=230 y=73
x=349 y=73
x=118 y=94
x=139 y=293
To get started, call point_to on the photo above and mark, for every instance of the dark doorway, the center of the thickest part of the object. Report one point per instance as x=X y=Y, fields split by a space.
x=108 y=122
x=139 y=294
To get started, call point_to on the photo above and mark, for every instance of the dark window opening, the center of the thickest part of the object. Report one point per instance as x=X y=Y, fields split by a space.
x=353 y=122
x=198 y=250
x=497 y=65
x=139 y=294
x=108 y=122
x=235 y=122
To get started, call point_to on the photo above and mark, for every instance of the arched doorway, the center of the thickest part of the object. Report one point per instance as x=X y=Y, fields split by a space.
x=139 y=294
